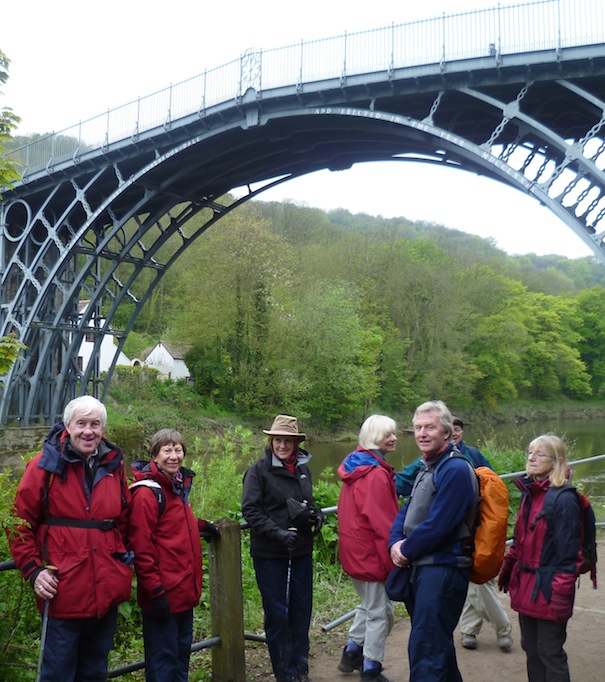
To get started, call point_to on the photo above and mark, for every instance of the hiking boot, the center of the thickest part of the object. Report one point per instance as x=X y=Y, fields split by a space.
x=469 y=641
x=303 y=678
x=350 y=661
x=505 y=642
x=375 y=674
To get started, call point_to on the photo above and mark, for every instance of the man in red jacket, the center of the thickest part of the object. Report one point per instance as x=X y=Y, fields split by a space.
x=367 y=507
x=72 y=504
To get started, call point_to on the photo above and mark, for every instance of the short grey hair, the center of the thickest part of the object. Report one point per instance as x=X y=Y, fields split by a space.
x=374 y=429
x=439 y=408
x=86 y=405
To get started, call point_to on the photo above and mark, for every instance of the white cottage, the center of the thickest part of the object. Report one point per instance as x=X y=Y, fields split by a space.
x=106 y=351
x=168 y=359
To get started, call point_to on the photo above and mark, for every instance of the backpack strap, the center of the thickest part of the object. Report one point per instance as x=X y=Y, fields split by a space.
x=545 y=573
x=156 y=489
x=470 y=524
x=550 y=500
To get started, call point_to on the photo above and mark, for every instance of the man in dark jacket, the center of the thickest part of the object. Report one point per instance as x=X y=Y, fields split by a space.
x=432 y=535
x=73 y=500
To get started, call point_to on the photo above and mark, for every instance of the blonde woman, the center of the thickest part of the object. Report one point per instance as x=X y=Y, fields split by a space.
x=543 y=563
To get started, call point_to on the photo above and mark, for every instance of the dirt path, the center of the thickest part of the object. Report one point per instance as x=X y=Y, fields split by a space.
x=585 y=646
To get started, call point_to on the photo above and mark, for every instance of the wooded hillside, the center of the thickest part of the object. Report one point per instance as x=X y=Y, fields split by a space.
x=329 y=315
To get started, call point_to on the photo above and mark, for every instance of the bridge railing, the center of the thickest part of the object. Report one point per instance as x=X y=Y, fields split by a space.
x=493 y=33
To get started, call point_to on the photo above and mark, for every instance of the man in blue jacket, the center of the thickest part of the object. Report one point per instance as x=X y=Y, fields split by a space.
x=432 y=535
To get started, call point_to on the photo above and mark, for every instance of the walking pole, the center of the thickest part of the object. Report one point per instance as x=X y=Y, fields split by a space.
x=51 y=569
x=287 y=610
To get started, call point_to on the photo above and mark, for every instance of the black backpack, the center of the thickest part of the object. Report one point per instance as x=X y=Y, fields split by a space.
x=589 y=528
x=156 y=488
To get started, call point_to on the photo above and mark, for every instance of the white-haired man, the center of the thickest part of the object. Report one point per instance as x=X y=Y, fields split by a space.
x=432 y=534
x=73 y=500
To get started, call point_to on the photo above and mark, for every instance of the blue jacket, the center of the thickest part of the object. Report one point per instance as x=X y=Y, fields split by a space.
x=404 y=479
x=437 y=539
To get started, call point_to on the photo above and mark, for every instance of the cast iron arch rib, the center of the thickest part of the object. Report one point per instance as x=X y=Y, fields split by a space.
x=88 y=230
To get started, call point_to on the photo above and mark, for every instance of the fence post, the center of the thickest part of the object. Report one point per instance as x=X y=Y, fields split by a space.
x=226 y=604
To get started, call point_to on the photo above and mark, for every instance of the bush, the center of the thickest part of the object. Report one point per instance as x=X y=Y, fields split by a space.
x=19 y=621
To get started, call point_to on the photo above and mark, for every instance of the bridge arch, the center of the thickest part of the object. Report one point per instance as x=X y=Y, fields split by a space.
x=89 y=224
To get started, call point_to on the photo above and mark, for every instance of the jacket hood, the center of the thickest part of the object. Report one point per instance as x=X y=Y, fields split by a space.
x=55 y=454
x=524 y=483
x=359 y=464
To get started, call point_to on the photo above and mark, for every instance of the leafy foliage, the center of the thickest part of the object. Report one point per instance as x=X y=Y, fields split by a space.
x=8 y=122
x=332 y=316
x=10 y=350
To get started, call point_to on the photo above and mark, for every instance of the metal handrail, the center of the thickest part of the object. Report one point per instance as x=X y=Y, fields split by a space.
x=515 y=474
x=490 y=33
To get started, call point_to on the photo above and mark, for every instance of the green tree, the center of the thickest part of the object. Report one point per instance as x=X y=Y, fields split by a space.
x=8 y=122
x=320 y=344
x=552 y=360
x=591 y=328
x=10 y=350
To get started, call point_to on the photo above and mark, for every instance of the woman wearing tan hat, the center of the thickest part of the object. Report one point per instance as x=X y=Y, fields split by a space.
x=278 y=504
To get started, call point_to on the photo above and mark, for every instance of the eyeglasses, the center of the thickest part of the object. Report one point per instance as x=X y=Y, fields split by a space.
x=539 y=455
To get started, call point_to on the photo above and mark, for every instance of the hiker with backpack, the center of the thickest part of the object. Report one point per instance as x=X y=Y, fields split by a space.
x=72 y=506
x=542 y=565
x=164 y=535
x=482 y=601
x=433 y=535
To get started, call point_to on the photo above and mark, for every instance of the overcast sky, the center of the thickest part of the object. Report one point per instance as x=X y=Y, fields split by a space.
x=71 y=60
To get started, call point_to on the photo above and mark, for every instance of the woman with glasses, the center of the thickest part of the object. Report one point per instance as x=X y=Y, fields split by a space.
x=543 y=563
x=164 y=535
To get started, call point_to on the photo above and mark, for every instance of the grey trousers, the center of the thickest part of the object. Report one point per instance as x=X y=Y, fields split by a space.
x=373 y=620
x=483 y=603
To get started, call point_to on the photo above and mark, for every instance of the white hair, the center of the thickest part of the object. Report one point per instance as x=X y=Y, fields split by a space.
x=86 y=405
x=374 y=429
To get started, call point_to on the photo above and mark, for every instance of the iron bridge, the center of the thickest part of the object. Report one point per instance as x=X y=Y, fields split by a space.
x=513 y=93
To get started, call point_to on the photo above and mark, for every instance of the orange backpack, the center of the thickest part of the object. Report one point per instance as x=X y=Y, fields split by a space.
x=492 y=523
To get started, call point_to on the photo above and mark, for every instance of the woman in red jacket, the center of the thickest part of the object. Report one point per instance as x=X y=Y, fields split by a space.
x=164 y=535
x=543 y=563
x=367 y=507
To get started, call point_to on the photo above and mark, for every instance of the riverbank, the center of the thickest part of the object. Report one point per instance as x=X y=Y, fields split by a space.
x=131 y=432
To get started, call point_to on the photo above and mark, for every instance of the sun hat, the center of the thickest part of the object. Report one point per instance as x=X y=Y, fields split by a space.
x=284 y=425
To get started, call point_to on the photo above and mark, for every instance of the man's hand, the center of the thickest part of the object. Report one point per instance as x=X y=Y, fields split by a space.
x=46 y=583
x=397 y=557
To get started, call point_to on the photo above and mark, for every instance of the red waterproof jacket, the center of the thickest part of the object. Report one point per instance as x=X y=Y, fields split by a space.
x=540 y=569
x=53 y=490
x=167 y=548
x=367 y=507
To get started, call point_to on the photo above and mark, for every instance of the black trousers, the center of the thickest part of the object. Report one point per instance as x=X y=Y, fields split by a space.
x=287 y=622
x=542 y=641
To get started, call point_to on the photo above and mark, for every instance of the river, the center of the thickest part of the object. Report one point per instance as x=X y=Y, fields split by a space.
x=584 y=439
